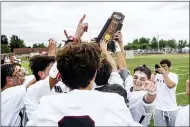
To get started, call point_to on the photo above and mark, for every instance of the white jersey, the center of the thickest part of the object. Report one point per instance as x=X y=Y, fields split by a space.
x=28 y=79
x=166 y=97
x=140 y=111
x=115 y=78
x=102 y=109
x=12 y=106
x=182 y=118
x=129 y=85
x=60 y=87
x=34 y=93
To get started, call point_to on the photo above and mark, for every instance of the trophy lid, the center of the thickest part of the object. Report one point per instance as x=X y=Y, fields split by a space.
x=118 y=16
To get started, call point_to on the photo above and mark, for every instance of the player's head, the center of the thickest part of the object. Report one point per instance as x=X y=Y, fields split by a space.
x=40 y=66
x=20 y=72
x=141 y=73
x=78 y=64
x=166 y=64
x=188 y=87
x=103 y=73
x=9 y=76
x=12 y=58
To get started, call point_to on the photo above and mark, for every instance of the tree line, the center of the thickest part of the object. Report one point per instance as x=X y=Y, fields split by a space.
x=16 y=42
x=141 y=43
x=147 y=43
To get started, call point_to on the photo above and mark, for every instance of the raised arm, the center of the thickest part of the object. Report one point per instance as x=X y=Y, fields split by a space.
x=109 y=58
x=54 y=75
x=52 y=47
x=167 y=79
x=120 y=51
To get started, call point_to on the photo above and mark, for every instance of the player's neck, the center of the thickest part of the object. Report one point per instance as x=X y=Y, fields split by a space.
x=89 y=87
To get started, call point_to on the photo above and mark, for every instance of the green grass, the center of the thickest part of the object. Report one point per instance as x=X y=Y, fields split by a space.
x=180 y=66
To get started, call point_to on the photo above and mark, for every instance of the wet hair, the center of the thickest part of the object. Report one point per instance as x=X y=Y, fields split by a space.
x=166 y=61
x=6 y=70
x=103 y=73
x=40 y=63
x=78 y=63
x=144 y=69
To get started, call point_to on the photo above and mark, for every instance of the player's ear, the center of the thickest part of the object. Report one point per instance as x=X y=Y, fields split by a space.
x=9 y=79
x=41 y=74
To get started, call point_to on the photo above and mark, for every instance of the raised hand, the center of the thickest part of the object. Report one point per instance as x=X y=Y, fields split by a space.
x=103 y=46
x=118 y=37
x=52 y=47
x=161 y=70
x=150 y=87
x=81 y=28
x=66 y=35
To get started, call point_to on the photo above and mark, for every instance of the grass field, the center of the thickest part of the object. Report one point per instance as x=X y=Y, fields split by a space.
x=180 y=66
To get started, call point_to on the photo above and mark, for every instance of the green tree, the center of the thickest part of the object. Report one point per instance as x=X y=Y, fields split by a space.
x=4 y=40
x=41 y=45
x=162 y=43
x=145 y=46
x=135 y=46
x=4 y=44
x=5 y=48
x=143 y=40
x=182 y=44
x=154 y=43
x=136 y=41
x=171 y=43
x=16 y=42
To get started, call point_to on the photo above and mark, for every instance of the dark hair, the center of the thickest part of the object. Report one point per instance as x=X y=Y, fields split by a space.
x=2 y=61
x=40 y=63
x=103 y=73
x=114 y=88
x=77 y=64
x=166 y=61
x=144 y=69
x=6 y=70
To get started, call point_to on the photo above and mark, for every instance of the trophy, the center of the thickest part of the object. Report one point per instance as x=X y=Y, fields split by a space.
x=113 y=24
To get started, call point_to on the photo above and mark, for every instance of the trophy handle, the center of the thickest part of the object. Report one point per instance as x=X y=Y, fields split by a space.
x=119 y=26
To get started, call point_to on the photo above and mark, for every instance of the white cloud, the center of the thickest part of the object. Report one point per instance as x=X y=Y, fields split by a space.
x=36 y=22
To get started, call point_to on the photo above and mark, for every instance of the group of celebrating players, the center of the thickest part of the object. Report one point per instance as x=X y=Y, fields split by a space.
x=81 y=84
